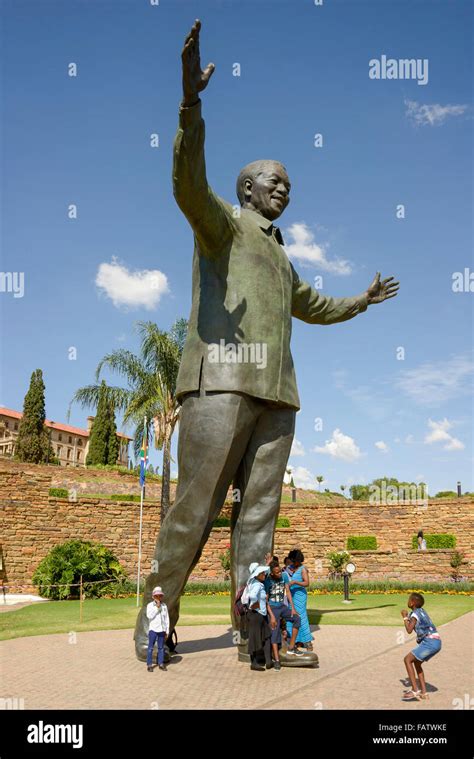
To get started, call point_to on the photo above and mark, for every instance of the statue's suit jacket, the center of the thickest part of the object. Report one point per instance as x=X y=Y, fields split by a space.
x=245 y=290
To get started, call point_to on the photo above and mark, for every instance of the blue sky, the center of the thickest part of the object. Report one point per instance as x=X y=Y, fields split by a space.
x=85 y=140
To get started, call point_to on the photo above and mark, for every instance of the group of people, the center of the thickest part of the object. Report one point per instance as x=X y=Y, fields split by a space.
x=276 y=601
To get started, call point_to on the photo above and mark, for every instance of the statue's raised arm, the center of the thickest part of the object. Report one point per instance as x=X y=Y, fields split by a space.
x=209 y=216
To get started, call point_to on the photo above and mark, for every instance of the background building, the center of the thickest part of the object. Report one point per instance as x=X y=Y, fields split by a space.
x=70 y=444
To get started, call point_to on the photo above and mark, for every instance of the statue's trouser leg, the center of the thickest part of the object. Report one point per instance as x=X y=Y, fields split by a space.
x=260 y=481
x=214 y=431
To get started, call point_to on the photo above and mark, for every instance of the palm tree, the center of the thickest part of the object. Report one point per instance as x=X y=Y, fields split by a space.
x=320 y=479
x=151 y=392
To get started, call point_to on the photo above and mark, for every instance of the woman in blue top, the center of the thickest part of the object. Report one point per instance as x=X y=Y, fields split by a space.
x=299 y=581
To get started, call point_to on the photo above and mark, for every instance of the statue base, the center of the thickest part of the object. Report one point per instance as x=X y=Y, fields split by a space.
x=309 y=658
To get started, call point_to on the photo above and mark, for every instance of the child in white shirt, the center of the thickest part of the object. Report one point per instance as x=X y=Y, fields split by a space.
x=158 y=631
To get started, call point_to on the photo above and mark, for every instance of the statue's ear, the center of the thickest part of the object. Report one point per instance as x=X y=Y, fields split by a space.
x=248 y=188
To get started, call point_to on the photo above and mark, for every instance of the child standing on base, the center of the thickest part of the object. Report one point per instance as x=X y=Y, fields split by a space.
x=429 y=643
x=277 y=588
x=158 y=631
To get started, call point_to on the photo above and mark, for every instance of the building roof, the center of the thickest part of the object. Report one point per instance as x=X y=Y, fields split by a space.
x=56 y=425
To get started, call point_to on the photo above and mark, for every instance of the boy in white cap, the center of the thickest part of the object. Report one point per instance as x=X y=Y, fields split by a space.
x=158 y=631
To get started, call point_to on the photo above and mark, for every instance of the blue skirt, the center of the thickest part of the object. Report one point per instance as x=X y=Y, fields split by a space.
x=300 y=599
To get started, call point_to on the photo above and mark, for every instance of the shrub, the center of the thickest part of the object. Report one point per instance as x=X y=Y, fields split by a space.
x=441 y=540
x=225 y=560
x=338 y=559
x=446 y=494
x=124 y=497
x=65 y=564
x=456 y=560
x=222 y=522
x=362 y=543
x=283 y=522
x=58 y=493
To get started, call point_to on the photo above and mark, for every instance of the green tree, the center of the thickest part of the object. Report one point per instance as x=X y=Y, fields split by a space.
x=151 y=391
x=320 y=479
x=33 y=443
x=113 y=441
x=103 y=445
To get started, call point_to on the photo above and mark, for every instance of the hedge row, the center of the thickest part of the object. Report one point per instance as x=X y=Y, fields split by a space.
x=361 y=543
x=225 y=522
x=441 y=540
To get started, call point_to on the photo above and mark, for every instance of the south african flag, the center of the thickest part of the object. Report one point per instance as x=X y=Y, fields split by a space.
x=143 y=460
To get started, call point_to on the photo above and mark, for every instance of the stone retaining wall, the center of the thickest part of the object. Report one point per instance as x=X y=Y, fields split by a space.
x=32 y=523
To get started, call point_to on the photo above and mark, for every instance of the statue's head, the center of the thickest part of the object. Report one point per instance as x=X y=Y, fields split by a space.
x=263 y=186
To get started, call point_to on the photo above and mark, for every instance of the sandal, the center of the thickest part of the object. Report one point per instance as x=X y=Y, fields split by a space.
x=425 y=696
x=410 y=695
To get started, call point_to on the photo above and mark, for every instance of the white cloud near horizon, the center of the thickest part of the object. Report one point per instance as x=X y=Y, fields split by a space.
x=382 y=446
x=297 y=448
x=302 y=247
x=432 y=115
x=340 y=446
x=433 y=383
x=303 y=478
x=439 y=434
x=131 y=289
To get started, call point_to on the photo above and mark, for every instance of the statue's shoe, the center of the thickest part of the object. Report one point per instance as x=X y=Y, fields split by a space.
x=141 y=635
x=308 y=659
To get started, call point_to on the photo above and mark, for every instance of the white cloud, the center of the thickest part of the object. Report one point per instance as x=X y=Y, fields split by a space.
x=297 y=448
x=409 y=439
x=303 y=478
x=434 y=115
x=340 y=446
x=304 y=249
x=439 y=434
x=382 y=446
x=433 y=383
x=132 y=289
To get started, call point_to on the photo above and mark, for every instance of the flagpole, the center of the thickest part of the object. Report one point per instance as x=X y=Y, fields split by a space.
x=141 y=523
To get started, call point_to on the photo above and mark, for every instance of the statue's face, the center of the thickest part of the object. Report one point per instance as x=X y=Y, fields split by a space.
x=269 y=192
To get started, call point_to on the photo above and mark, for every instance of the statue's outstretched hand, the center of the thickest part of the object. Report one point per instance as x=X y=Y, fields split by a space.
x=194 y=78
x=379 y=291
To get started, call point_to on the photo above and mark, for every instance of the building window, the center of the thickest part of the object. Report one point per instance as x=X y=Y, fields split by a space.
x=6 y=425
x=79 y=455
x=79 y=441
x=70 y=440
x=59 y=450
x=60 y=437
x=16 y=425
x=68 y=455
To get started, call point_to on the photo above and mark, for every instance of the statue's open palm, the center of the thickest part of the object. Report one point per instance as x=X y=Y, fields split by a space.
x=379 y=291
x=194 y=78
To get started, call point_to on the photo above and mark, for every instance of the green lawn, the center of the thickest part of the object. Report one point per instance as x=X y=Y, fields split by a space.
x=115 y=614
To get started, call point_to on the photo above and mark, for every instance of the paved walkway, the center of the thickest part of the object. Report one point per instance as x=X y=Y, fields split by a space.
x=360 y=668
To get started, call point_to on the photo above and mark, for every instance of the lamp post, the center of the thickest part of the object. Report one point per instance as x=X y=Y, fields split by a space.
x=459 y=489
x=349 y=569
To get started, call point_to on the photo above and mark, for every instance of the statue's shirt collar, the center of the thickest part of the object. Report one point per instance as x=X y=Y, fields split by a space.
x=265 y=224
